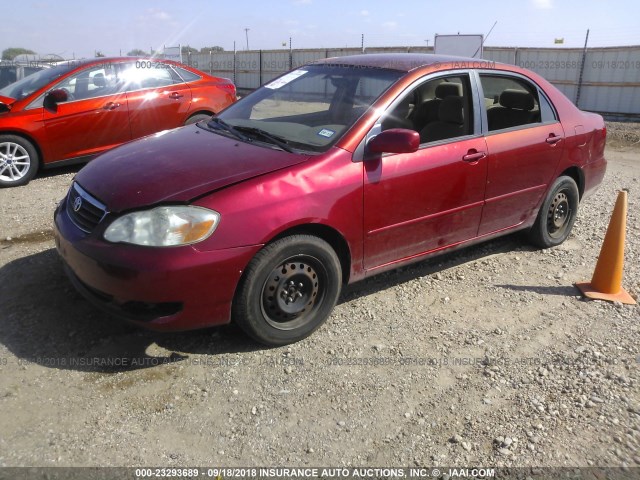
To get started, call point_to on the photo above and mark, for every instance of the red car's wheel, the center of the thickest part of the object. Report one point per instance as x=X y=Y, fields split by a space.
x=18 y=161
x=288 y=290
x=557 y=214
x=197 y=118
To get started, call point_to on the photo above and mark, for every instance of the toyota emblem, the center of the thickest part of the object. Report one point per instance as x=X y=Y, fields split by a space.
x=77 y=204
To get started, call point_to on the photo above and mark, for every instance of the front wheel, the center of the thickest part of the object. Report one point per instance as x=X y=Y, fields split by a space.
x=557 y=214
x=288 y=290
x=18 y=161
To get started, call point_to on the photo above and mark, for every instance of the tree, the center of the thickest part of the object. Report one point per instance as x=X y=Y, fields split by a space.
x=12 y=52
x=99 y=53
x=211 y=49
x=187 y=50
x=136 y=52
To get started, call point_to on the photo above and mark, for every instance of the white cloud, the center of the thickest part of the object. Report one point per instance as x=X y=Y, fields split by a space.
x=156 y=14
x=302 y=2
x=364 y=13
x=390 y=25
x=543 y=4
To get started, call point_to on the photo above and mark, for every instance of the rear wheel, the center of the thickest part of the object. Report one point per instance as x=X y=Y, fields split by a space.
x=197 y=118
x=288 y=290
x=18 y=161
x=557 y=214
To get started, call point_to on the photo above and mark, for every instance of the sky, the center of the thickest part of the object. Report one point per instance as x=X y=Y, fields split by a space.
x=77 y=29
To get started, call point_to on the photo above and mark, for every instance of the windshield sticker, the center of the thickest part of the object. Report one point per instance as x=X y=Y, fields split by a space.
x=282 y=81
x=325 y=132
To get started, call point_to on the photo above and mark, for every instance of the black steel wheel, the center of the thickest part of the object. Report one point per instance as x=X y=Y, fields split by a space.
x=557 y=214
x=288 y=290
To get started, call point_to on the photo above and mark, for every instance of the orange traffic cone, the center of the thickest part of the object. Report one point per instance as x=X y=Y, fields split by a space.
x=606 y=283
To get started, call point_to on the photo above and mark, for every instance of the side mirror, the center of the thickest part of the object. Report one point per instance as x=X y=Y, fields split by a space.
x=4 y=108
x=395 y=140
x=53 y=98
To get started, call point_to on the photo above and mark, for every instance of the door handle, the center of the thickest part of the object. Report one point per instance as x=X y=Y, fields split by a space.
x=473 y=156
x=111 y=106
x=553 y=139
x=175 y=95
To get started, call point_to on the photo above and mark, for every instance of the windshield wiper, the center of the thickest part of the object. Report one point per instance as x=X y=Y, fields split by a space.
x=222 y=125
x=276 y=140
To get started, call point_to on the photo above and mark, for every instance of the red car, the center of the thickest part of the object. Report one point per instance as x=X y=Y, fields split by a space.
x=77 y=109
x=333 y=172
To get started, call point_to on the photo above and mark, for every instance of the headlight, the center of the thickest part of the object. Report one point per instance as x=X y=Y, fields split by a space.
x=164 y=226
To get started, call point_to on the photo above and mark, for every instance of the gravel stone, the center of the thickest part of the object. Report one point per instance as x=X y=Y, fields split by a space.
x=536 y=375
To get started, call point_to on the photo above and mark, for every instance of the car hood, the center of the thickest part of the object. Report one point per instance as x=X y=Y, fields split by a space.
x=176 y=166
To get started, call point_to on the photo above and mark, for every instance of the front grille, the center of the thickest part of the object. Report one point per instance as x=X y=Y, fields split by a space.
x=83 y=209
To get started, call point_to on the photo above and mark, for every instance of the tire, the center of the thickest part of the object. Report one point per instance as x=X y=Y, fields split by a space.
x=557 y=214
x=198 y=117
x=18 y=161
x=288 y=290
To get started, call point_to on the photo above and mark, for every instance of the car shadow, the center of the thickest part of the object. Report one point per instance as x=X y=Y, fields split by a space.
x=45 y=321
x=560 y=290
x=52 y=172
x=433 y=265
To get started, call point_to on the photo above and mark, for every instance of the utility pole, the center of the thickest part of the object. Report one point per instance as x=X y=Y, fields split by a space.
x=246 y=33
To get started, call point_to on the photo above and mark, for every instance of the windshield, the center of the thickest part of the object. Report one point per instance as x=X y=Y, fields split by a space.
x=312 y=107
x=34 y=82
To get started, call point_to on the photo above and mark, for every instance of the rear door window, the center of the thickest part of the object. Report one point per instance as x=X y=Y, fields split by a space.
x=144 y=74
x=513 y=102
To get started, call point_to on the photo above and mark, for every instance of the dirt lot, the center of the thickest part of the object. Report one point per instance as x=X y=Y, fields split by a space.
x=483 y=357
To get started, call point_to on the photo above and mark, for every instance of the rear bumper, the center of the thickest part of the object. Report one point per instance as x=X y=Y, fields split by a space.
x=178 y=288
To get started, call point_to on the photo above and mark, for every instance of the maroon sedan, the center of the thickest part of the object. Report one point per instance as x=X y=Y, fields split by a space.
x=333 y=172
x=77 y=109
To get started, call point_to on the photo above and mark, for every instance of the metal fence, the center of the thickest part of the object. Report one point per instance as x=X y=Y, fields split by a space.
x=608 y=83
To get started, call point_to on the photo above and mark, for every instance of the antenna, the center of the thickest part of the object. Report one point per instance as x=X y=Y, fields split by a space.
x=485 y=37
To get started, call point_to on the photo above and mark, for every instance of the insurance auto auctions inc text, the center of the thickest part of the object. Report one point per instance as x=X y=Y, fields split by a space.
x=349 y=473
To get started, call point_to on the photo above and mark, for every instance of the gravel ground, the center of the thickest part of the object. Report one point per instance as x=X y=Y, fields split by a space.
x=487 y=356
x=623 y=134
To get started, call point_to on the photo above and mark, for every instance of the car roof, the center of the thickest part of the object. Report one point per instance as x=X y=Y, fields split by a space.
x=403 y=62
x=97 y=60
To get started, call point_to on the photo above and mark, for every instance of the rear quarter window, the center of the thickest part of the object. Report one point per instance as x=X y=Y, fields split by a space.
x=186 y=75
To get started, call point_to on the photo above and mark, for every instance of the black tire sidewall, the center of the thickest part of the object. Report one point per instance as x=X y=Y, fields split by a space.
x=197 y=118
x=540 y=232
x=247 y=308
x=33 y=160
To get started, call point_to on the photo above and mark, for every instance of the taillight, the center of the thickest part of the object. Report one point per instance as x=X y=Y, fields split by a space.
x=228 y=87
